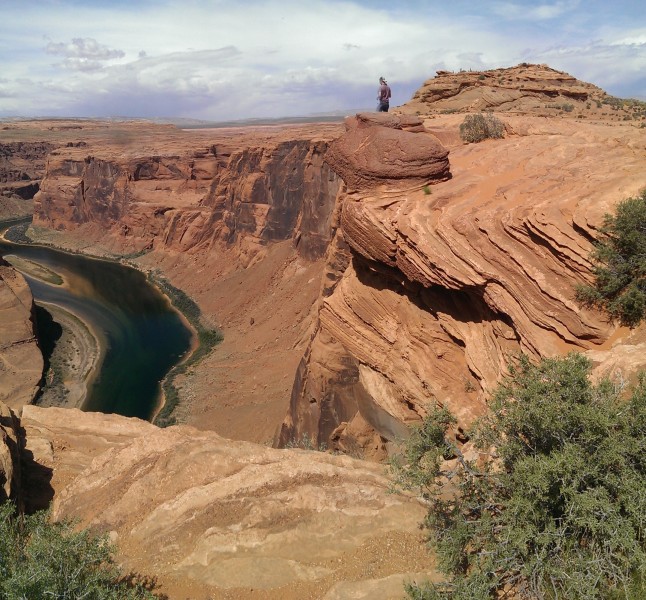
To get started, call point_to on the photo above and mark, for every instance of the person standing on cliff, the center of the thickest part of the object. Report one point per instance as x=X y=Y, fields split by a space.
x=383 y=95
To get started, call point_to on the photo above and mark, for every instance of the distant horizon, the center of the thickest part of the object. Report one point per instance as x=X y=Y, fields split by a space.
x=220 y=60
x=329 y=116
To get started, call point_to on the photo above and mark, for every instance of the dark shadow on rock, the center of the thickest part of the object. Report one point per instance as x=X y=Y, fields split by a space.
x=48 y=333
x=136 y=580
x=37 y=491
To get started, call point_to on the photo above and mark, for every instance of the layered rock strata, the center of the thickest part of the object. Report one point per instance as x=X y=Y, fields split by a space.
x=188 y=195
x=430 y=292
x=238 y=218
x=21 y=362
x=212 y=518
x=526 y=88
x=9 y=455
x=22 y=166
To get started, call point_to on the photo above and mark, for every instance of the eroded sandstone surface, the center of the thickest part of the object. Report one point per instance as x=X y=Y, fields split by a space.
x=369 y=273
x=525 y=88
x=213 y=518
x=21 y=362
x=430 y=292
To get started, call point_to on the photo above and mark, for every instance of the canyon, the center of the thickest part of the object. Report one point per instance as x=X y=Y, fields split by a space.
x=360 y=272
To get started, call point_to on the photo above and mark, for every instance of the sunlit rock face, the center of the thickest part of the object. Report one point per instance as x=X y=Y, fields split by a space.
x=22 y=165
x=381 y=149
x=190 y=193
x=527 y=88
x=432 y=288
x=21 y=362
x=9 y=455
x=210 y=517
x=442 y=260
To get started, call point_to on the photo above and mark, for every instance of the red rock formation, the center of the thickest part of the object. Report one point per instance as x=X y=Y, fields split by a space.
x=212 y=518
x=22 y=165
x=187 y=196
x=380 y=149
x=432 y=279
x=21 y=363
x=523 y=88
x=238 y=218
x=429 y=294
x=9 y=455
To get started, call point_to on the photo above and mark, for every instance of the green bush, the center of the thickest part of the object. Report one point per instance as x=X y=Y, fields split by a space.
x=555 y=506
x=620 y=271
x=476 y=128
x=39 y=559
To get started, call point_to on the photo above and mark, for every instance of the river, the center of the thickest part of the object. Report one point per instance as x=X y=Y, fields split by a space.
x=144 y=337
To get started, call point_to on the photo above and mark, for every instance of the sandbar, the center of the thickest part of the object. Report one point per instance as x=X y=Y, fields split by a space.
x=74 y=363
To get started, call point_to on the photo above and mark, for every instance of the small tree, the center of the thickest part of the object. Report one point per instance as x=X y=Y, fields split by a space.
x=39 y=559
x=476 y=128
x=556 y=505
x=620 y=271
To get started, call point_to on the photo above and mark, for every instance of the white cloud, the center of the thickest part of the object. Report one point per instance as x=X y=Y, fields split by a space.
x=83 y=48
x=229 y=59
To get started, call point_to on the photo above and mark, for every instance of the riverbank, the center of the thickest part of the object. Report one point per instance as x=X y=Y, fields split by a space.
x=74 y=362
x=133 y=334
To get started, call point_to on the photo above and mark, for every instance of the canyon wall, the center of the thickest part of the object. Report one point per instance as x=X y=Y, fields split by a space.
x=21 y=362
x=190 y=196
x=438 y=261
x=432 y=289
x=22 y=166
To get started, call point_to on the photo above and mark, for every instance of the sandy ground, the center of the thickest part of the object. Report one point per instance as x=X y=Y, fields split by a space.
x=74 y=363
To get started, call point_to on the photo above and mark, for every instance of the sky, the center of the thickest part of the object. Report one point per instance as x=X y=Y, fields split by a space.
x=220 y=60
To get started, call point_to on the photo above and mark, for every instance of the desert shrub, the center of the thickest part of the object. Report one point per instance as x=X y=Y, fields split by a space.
x=555 y=506
x=476 y=128
x=620 y=264
x=39 y=559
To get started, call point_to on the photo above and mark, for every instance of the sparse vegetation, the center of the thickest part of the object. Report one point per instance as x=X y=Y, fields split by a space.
x=208 y=338
x=427 y=190
x=18 y=233
x=619 y=273
x=554 y=504
x=479 y=127
x=306 y=443
x=40 y=559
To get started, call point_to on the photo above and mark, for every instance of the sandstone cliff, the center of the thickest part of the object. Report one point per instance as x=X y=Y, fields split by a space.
x=441 y=260
x=525 y=88
x=239 y=218
x=22 y=165
x=211 y=518
x=201 y=516
x=431 y=291
x=390 y=268
x=21 y=363
x=191 y=192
